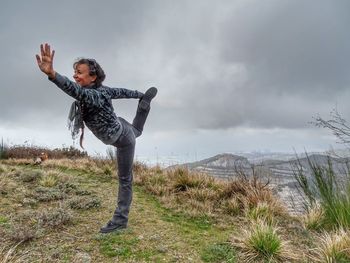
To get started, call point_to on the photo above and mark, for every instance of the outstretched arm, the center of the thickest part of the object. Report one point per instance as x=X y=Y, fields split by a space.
x=45 y=61
x=45 y=64
x=121 y=93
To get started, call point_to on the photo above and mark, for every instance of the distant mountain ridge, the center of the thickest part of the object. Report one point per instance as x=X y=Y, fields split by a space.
x=220 y=161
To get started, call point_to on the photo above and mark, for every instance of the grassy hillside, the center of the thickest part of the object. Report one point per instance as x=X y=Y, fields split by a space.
x=52 y=213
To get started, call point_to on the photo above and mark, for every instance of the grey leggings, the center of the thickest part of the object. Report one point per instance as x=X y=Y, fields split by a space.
x=125 y=157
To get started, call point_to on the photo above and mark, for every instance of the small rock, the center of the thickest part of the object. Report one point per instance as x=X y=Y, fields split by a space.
x=162 y=249
x=155 y=237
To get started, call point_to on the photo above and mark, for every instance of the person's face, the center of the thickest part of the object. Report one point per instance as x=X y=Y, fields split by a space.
x=81 y=75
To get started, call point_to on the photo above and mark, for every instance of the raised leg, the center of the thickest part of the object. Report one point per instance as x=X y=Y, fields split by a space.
x=142 y=110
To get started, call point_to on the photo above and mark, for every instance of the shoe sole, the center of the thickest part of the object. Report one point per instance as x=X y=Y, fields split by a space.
x=146 y=99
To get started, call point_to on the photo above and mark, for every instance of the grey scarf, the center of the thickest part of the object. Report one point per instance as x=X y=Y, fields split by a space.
x=75 y=122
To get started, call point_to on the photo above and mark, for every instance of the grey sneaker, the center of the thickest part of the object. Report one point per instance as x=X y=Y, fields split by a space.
x=146 y=99
x=110 y=227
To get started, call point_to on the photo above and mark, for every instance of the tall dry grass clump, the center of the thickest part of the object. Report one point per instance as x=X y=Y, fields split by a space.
x=250 y=193
x=198 y=193
x=330 y=190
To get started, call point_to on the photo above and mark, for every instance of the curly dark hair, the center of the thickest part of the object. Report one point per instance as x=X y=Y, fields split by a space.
x=94 y=67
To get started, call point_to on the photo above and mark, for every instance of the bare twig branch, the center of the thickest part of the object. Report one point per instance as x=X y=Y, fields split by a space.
x=336 y=124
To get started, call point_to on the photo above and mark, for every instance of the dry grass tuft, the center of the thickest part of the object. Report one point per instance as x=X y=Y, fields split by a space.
x=262 y=243
x=48 y=180
x=333 y=247
x=263 y=211
x=313 y=219
x=184 y=180
x=231 y=206
x=199 y=208
x=202 y=194
x=251 y=193
x=158 y=190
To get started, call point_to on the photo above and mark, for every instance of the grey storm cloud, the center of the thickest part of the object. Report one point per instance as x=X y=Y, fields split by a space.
x=217 y=65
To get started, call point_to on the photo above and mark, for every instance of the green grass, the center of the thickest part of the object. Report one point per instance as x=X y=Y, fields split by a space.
x=265 y=242
x=160 y=229
x=156 y=233
x=117 y=244
x=3 y=220
x=219 y=253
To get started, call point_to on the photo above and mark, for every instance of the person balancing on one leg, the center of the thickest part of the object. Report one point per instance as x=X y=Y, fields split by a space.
x=93 y=107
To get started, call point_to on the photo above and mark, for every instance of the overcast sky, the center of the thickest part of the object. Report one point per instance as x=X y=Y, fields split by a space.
x=236 y=75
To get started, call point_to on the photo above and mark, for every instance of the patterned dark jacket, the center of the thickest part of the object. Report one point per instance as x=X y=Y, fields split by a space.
x=97 y=108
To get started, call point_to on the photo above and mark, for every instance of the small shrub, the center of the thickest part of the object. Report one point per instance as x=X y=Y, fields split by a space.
x=82 y=192
x=67 y=187
x=84 y=202
x=25 y=217
x=44 y=194
x=221 y=252
x=30 y=176
x=29 y=202
x=22 y=233
x=55 y=217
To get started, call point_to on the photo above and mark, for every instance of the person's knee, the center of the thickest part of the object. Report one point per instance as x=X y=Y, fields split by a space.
x=125 y=181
